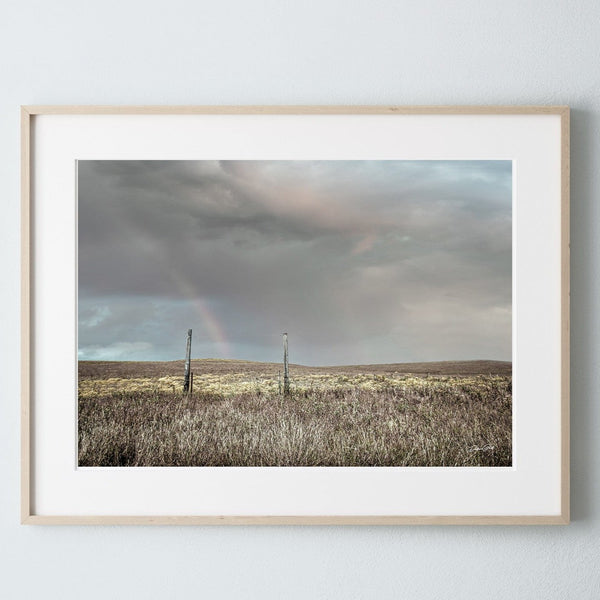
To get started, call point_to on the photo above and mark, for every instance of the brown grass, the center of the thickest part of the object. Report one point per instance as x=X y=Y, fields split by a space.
x=133 y=414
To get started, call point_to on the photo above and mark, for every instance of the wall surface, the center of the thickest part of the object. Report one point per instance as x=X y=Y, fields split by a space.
x=322 y=52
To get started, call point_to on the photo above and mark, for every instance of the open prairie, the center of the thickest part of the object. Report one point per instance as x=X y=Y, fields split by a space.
x=415 y=414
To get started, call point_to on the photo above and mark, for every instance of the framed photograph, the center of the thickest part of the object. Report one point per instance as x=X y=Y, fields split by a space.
x=295 y=315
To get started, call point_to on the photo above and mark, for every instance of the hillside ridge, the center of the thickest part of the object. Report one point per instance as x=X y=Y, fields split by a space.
x=216 y=365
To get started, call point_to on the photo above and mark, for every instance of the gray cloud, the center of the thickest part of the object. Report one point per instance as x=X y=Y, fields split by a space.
x=360 y=261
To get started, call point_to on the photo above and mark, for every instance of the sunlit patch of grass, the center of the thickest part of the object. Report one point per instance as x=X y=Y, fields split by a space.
x=94 y=388
x=232 y=384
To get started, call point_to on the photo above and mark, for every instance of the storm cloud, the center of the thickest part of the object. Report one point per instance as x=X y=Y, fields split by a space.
x=359 y=261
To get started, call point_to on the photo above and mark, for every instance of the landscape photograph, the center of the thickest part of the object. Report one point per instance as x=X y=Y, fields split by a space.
x=275 y=313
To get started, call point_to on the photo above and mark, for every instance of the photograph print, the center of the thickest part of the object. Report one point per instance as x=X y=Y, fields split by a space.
x=276 y=313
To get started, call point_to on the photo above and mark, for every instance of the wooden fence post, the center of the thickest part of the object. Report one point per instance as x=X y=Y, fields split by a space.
x=191 y=384
x=286 y=378
x=188 y=353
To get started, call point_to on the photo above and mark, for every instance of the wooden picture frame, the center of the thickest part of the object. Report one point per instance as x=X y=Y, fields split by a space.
x=545 y=133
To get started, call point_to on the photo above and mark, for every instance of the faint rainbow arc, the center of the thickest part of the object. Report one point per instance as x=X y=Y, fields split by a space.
x=211 y=323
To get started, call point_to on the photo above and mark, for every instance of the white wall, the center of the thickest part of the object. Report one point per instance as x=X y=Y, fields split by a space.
x=325 y=52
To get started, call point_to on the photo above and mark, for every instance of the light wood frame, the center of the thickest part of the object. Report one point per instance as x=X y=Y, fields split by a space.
x=28 y=113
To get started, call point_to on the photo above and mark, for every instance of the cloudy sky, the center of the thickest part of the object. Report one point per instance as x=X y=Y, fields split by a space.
x=360 y=262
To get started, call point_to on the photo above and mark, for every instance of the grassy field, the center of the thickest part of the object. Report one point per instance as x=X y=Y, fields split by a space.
x=419 y=414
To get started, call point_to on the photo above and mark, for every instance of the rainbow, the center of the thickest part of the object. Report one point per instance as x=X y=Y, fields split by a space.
x=211 y=324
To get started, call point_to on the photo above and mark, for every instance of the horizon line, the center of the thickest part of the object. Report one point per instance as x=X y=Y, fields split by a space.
x=412 y=362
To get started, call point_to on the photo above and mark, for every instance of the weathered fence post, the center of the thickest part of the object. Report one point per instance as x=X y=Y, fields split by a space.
x=188 y=353
x=286 y=378
x=191 y=392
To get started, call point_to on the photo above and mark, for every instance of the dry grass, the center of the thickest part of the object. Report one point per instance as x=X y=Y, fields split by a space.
x=334 y=417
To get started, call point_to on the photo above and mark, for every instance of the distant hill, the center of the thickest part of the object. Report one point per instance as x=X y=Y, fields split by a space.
x=106 y=369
